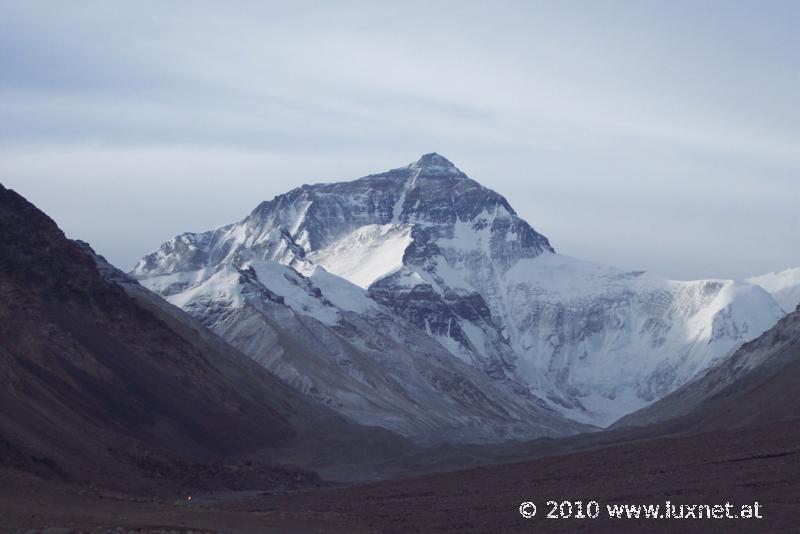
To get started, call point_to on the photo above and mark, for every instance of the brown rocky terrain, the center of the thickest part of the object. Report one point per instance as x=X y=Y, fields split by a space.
x=741 y=467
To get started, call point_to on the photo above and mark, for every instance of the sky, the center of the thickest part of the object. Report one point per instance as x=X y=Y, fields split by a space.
x=655 y=135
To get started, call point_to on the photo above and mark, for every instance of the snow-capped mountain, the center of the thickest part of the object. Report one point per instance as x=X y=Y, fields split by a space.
x=425 y=260
x=784 y=286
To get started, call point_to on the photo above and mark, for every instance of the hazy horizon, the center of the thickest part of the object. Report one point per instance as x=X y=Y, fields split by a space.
x=662 y=137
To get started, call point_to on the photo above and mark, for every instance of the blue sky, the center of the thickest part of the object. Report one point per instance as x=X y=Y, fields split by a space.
x=647 y=135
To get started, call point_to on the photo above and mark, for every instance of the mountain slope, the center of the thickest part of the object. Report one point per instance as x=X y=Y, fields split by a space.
x=784 y=286
x=757 y=385
x=329 y=340
x=453 y=259
x=105 y=382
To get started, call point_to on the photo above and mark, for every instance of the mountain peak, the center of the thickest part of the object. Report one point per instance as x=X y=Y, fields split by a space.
x=434 y=163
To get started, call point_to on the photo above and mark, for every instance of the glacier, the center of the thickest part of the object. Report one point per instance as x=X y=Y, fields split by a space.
x=783 y=285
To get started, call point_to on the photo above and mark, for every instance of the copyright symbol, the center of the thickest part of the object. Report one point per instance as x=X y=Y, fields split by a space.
x=527 y=510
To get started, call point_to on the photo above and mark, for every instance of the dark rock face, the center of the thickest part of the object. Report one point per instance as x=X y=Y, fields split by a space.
x=441 y=316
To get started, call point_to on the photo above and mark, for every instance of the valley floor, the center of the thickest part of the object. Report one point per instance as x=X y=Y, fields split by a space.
x=741 y=467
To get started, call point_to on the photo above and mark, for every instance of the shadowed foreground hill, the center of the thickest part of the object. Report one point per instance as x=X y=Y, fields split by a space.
x=109 y=387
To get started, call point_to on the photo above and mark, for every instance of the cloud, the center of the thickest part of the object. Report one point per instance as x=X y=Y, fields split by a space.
x=581 y=104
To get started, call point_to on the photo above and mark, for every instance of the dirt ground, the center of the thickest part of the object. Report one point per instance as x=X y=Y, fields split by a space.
x=757 y=464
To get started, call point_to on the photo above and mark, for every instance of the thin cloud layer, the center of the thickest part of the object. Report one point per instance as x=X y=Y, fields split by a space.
x=651 y=136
